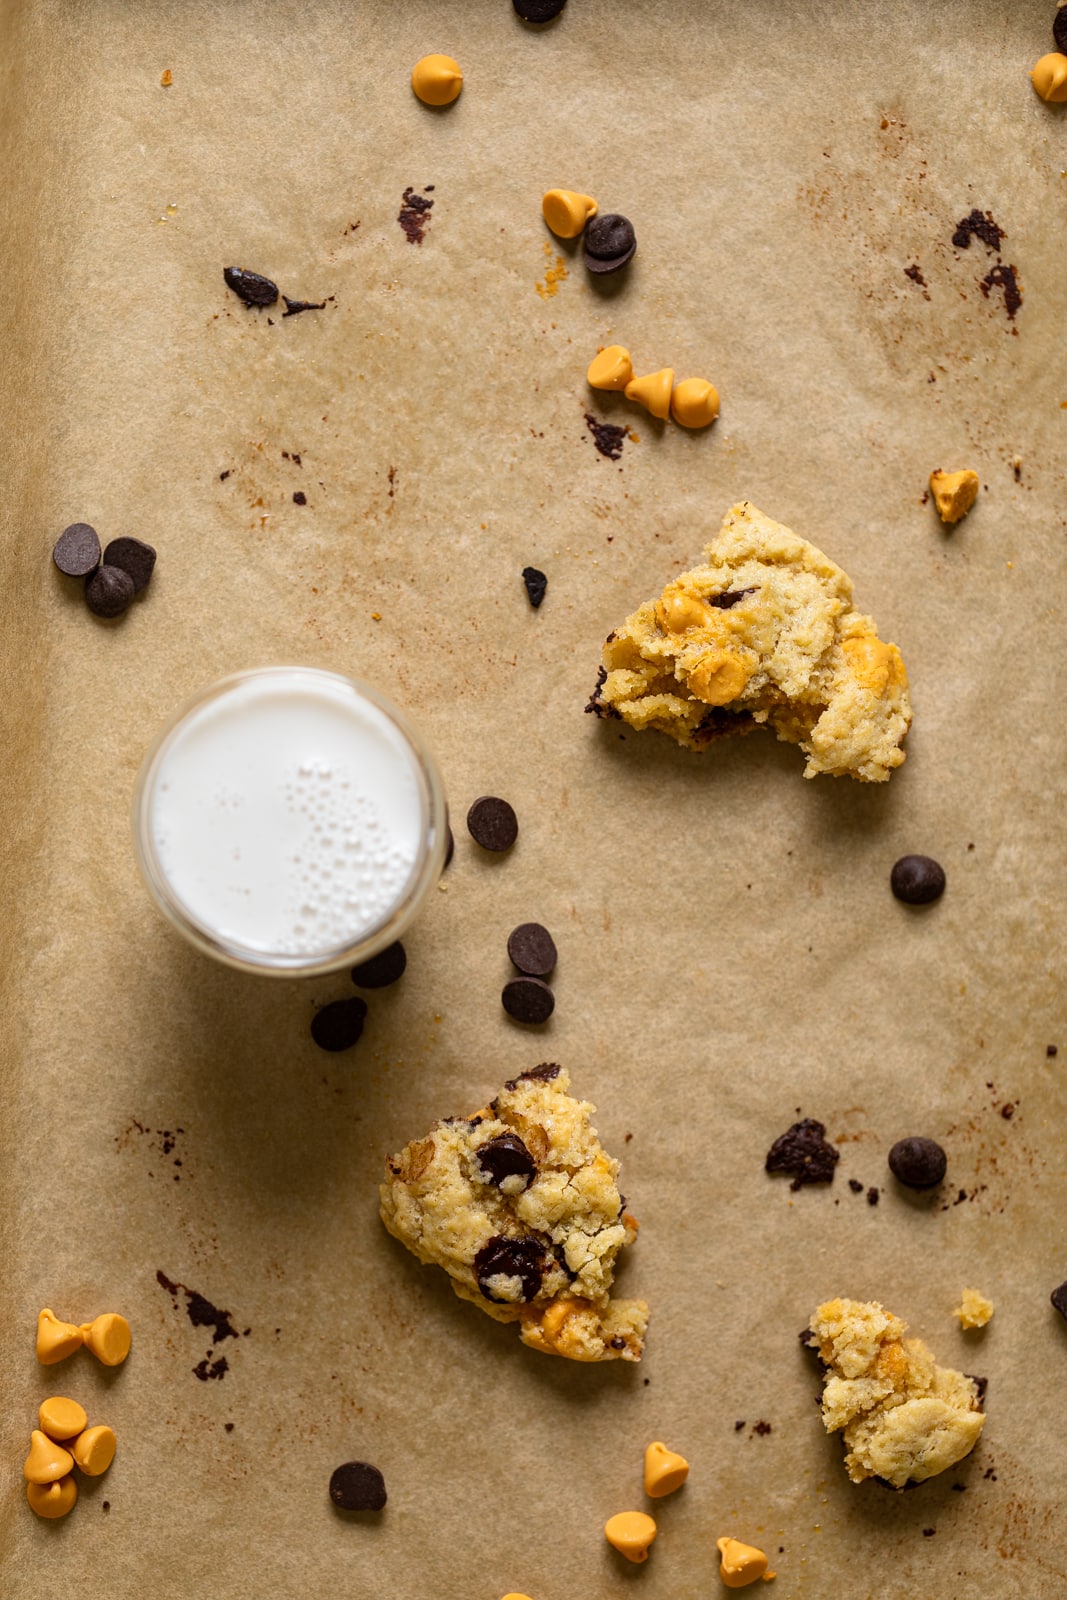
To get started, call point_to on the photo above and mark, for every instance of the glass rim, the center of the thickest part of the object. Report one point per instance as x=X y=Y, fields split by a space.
x=232 y=952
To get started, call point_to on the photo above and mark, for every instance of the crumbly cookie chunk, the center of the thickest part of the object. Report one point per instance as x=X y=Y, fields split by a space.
x=903 y=1417
x=763 y=632
x=974 y=1309
x=519 y=1204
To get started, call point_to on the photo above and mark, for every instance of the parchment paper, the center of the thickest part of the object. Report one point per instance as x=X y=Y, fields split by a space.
x=729 y=949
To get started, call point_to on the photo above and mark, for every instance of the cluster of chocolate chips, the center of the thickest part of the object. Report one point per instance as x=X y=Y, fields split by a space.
x=338 y=1026
x=111 y=580
x=532 y=951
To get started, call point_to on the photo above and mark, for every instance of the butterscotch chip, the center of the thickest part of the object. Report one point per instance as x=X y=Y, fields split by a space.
x=61 y=1418
x=437 y=80
x=763 y=633
x=519 y=1204
x=903 y=1418
x=51 y=1500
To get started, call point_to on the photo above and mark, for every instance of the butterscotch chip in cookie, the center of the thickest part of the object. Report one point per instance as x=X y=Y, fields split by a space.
x=520 y=1205
x=762 y=633
x=903 y=1418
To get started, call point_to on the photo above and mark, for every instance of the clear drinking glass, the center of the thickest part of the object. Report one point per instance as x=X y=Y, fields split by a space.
x=289 y=820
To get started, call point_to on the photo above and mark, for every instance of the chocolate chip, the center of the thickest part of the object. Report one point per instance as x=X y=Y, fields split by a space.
x=251 y=287
x=917 y=880
x=300 y=498
x=728 y=599
x=77 y=550
x=134 y=557
x=536 y=584
x=873 y=1195
x=918 y=1163
x=1059 y=30
x=610 y=242
x=506 y=1157
x=528 y=1000
x=803 y=1152
x=338 y=1025
x=450 y=846
x=381 y=970
x=538 y=10
x=108 y=591
x=540 y=1074
x=855 y=1185
x=357 y=1486
x=1059 y=1300
x=510 y=1258
x=532 y=949
x=492 y=823
x=294 y=307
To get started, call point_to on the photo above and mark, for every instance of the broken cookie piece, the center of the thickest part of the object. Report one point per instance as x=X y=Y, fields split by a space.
x=763 y=633
x=903 y=1417
x=954 y=493
x=519 y=1204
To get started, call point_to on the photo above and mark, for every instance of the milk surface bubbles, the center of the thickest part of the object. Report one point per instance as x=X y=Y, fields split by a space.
x=287 y=814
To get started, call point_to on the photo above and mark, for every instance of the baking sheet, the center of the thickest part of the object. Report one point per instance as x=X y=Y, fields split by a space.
x=729 y=951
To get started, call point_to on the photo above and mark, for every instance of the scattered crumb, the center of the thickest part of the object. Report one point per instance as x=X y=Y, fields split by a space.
x=167 y=79
x=974 y=1309
x=554 y=276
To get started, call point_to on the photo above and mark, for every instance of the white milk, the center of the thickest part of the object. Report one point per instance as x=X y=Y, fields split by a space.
x=287 y=815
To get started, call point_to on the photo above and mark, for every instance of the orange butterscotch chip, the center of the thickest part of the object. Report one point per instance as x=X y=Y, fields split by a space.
x=567 y=212
x=665 y=1470
x=94 y=1450
x=47 y=1461
x=742 y=1564
x=631 y=1533
x=653 y=391
x=437 y=80
x=610 y=368
x=52 y=1500
x=1049 y=77
x=695 y=403
x=108 y=1337
x=61 y=1418
x=56 y=1340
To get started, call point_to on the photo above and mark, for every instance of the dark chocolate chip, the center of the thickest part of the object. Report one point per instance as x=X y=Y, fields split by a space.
x=251 y=287
x=492 y=823
x=538 y=10
x=873 y=1195
x=1059 y=1300
x=918 y=1163
x=506 y=1157
x=450 y=846
x=77 y=550
x=528 y=1000
x=536 y=584
x=855 y=1185
x=381 y=970
x=510 y=1258
x=134 y=557
x=108 y=591
x=338 y=1025
x=540 y=1074
x=803 y=1152
x=728 y=599
x=357 y=1486
x=300 y=498
x=609 y=236
x=917 y=880
x=532 y=949
x=981 y=1384
x=1059 y=30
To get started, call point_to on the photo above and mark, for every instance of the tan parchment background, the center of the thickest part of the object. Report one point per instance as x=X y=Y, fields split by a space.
x=729 y=950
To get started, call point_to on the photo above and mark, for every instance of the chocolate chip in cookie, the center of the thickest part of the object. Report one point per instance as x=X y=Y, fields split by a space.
x=521 y=1260
x=505 y=1160
x=804 y=1153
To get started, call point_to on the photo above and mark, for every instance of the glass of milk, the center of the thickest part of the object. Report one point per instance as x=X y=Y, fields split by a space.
x=289 y=821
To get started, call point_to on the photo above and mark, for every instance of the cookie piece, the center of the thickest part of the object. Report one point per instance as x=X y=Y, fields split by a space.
x=519 y=1204
x=764 y=632
x=902 y=1416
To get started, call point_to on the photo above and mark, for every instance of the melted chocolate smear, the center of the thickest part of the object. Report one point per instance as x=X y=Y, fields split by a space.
x=414 y=214
x=1002 y=277
x=202 y=1314
x=608 y=438
x=804 y=1153
x=979 y=225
